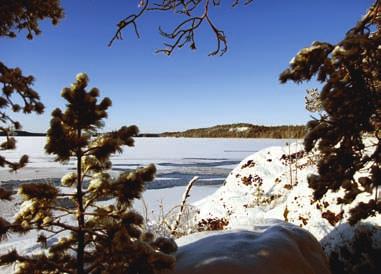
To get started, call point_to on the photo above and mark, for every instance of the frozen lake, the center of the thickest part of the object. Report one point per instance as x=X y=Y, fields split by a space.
x=177 y=159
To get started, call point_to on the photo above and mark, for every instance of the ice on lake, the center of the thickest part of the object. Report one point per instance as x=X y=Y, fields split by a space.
x=175 y=158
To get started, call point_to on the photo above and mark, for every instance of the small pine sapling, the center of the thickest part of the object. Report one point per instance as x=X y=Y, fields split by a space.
x=94 y=237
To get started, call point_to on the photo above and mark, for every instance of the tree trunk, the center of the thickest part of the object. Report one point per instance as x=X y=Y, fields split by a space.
x=80 y=218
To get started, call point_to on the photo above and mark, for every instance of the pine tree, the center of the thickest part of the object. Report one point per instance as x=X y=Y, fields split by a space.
x=17 y=16
x=102 y=238
x=350 y=73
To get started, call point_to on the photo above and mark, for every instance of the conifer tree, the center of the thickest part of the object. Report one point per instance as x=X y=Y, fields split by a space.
x=17 y=93
x=350 y=73
x=101 y=237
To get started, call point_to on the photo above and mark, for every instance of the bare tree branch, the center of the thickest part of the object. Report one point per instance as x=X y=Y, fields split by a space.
x=196 y=12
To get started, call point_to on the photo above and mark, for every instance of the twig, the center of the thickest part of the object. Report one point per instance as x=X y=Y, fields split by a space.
x=145 y=210
x=195 y=14
x=185 y=197
x=129 y=20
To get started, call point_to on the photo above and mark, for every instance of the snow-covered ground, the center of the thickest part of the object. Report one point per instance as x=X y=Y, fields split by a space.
x=267 y=185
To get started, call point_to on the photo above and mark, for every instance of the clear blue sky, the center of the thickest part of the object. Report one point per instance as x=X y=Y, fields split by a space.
x=189 y=89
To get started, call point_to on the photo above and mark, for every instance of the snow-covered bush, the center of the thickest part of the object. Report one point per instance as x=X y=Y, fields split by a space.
x=169 y=224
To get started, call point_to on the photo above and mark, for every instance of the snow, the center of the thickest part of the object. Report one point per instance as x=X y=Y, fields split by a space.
x=262 y=186
x=271 y=248
x=157 y=201
x=166 y=199
x=239 y=129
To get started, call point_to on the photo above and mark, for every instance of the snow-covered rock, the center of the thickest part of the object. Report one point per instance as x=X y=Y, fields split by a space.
x=269 y=249
x=272 y=183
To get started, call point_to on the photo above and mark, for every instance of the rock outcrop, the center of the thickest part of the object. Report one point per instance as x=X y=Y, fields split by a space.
x=268 y=249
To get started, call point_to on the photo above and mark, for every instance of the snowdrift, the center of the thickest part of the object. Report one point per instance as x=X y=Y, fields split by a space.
x=268 y=249
x=272 y=183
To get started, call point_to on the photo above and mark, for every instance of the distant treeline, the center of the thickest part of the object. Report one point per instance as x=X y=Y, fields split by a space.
x=24 y=133
x=242 y=130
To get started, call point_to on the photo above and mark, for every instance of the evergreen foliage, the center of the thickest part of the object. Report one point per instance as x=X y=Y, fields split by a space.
x=351 y=101
x=312 y=100
x=25 y=15
x=17 y=93
x=242 y=130
x=104 y=237
x=359 y=255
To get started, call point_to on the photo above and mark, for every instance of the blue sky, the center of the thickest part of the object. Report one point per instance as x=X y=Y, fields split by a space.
x=189 y=89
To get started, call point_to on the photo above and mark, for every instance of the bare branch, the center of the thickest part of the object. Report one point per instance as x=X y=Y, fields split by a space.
x=129 y=20
x=196 y=12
